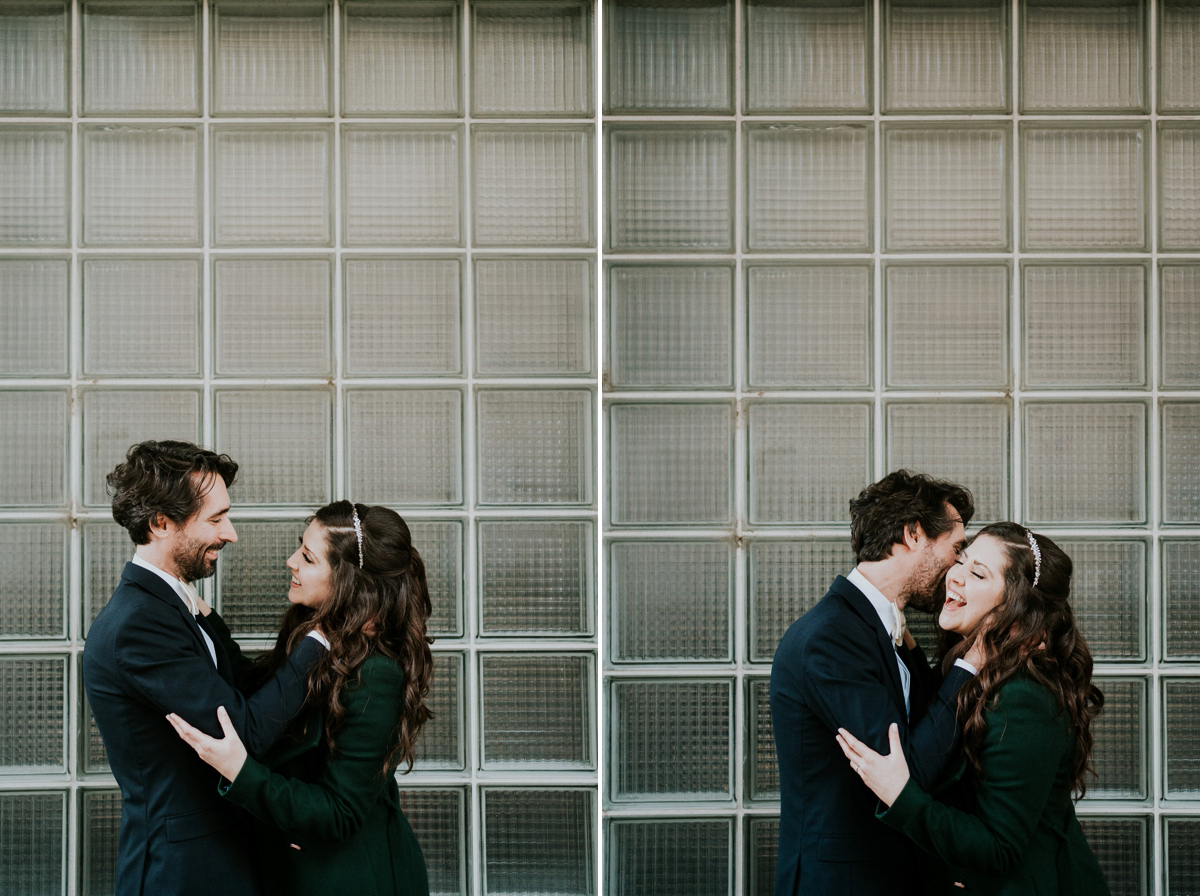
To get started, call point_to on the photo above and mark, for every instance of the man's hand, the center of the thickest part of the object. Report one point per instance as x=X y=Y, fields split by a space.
x=885 y=775
x=227 y=755
x=975 y=655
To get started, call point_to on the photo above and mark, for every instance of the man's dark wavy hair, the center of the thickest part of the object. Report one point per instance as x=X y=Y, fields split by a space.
x=885 y=510
x=156 y=477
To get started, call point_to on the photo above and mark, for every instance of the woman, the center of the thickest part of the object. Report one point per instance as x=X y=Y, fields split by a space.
x=325 y=797
x=1004 y=820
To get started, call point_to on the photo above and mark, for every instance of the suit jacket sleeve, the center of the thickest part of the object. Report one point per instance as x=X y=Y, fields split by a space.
x=1022 y=748
x=238 y=661
x=335 y=805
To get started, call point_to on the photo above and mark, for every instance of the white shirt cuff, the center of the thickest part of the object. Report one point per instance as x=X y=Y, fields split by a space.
x=961 y=663
x=317 y=636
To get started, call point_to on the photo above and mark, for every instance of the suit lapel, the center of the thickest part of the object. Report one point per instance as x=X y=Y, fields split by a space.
x=859 y=603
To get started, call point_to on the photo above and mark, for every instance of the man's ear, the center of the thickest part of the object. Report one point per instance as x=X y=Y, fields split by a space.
x=158 y=525
x=913 y=534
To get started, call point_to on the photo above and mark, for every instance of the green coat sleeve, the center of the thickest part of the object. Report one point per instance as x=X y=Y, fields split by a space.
x=1025 y=741
x=335 y=805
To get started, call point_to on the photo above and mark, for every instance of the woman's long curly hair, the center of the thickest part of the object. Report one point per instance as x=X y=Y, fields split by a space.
x=382 y=607
x=1031 y=632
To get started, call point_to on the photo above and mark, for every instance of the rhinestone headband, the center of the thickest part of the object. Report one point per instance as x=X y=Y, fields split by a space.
x=1037 y=557
x=358 y=535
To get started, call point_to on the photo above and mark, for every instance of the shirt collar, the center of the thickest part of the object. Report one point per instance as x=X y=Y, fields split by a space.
x=882 y=605
x=176 y=584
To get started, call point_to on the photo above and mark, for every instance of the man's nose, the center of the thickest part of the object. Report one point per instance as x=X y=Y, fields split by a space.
x=230 y=534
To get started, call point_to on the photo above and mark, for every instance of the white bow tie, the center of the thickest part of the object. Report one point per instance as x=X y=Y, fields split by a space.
x=898 y=625
x=192 y=597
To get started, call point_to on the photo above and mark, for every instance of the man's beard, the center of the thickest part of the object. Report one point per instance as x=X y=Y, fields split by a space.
x=192 y=564
x=926 y=590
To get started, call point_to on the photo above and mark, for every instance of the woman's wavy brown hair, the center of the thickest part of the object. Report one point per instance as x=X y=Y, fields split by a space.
x=1032 y=633
x=382 y=607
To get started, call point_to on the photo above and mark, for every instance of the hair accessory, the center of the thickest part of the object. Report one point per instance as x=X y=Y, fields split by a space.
x=358 y=534
x=1037 y=557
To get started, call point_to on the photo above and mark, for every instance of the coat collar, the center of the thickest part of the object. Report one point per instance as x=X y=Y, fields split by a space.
x=858 y=602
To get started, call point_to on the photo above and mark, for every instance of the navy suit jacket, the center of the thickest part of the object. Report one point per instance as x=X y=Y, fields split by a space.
x=145 y=657
x=836 y=668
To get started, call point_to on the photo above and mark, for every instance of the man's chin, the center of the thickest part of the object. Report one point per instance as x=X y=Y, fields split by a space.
x=926 y=603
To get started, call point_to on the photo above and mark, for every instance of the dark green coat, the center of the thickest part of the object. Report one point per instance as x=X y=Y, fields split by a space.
x=343 y=812
x=1011 y=830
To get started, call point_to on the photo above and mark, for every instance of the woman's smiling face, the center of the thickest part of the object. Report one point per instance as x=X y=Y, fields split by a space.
x=974 y=585
x=311 y=572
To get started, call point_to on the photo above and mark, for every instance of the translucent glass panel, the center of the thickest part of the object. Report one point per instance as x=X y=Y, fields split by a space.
x=1122 y=847
x=671 y=740
x=272 y=187
x=533 y=316
x=404 y=446
x=1181 y=462
x=968 y=346
x=1085 y=462
x=33 y=58
x=670 y=601
x=400 y=60
x=807 y=57
x=670 y=463
x=253 y=578
x=532 y=60
x=670 y=326
x=34 y=180
x=1085 y=325
x=535 y=710
x=281 y=439
x=666 y=857
x=32 y=858
x=101 y=812
x=1082 y=57
x=1181 y=708
x=808 y=187
x=1179 y=205
x=1180 y=330
x=946 y=188
x=670 y=188
x=762 y=854
x=532 y=187
x=141 y=60
x=1108 y=595
x=441 y=740
x=33 y=714
x=539 y=841
x=115 y=420
x=807 y=460
x=1084 y=187
x=1178 y=70
x=963 y=442
x=33 y=340
x=1182 y=848
x=401 y=186
x=786 y=579
x=33 y=441
x=761 y=765
x=1119 y=753
x=106 y=549
x=141 y=316
x=439 y=819
x=946 y=58
x=809 y=325
x=441 y=547
x=535 y=446
x=1181 y=596
x=270 y=61
x=33 y=580
x=536 y=577
x=669 y=56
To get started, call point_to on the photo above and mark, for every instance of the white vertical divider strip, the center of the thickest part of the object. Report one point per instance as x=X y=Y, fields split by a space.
x=601 y=577
x=340 y=487
x=878 y=186
x=208 y=169
x=1016 y=467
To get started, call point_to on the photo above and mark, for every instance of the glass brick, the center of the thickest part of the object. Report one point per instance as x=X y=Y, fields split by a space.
x=946 y=188
x=270 y=60
x=670 y=189
x=809 y=187
x=440 y=544
x=33 y=340
x=1179 y=170
x=552 y=730
x=400 y=60
x=253 y=577
x=438 y=817
x=762 y=855
x=670 y=463
x=668 y=56
x=672 y=740
x=1085 y=462
x=33 y=713
x=667 y=857
x=144 y=61
x=1181 y=462
x=539 y=841
x=1122 y=847
x=1181 y=854
x=33 y=856
x=271 y=188
x=786 y=579
x=106 y=549
x=35 y=179
x=101 y=811
x=1084 y=187
x=1119 y=754
x=33 y=442
x=802 y=56
x=128 y=306
x=1082 y=57
x=1085 y=325
x=440 y=744
x=968 y=345
x=1180 y=330
x=809 y=325
x=671 y=326
x=1178 y=67
x=33 y=559
x=946 y=58
x=670 y=601
x=113 y=421
x=762 y=765
x=1181 y=599
x=34 y=47
x=535 y=447
x=807 y=460
x=1181 y=709
x=1108 y=595
x=532 y=187
x=963 y=442
x=535 y=577
x=281 y=439
x=532 y=60
x=401 y=186
x=533 y=316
